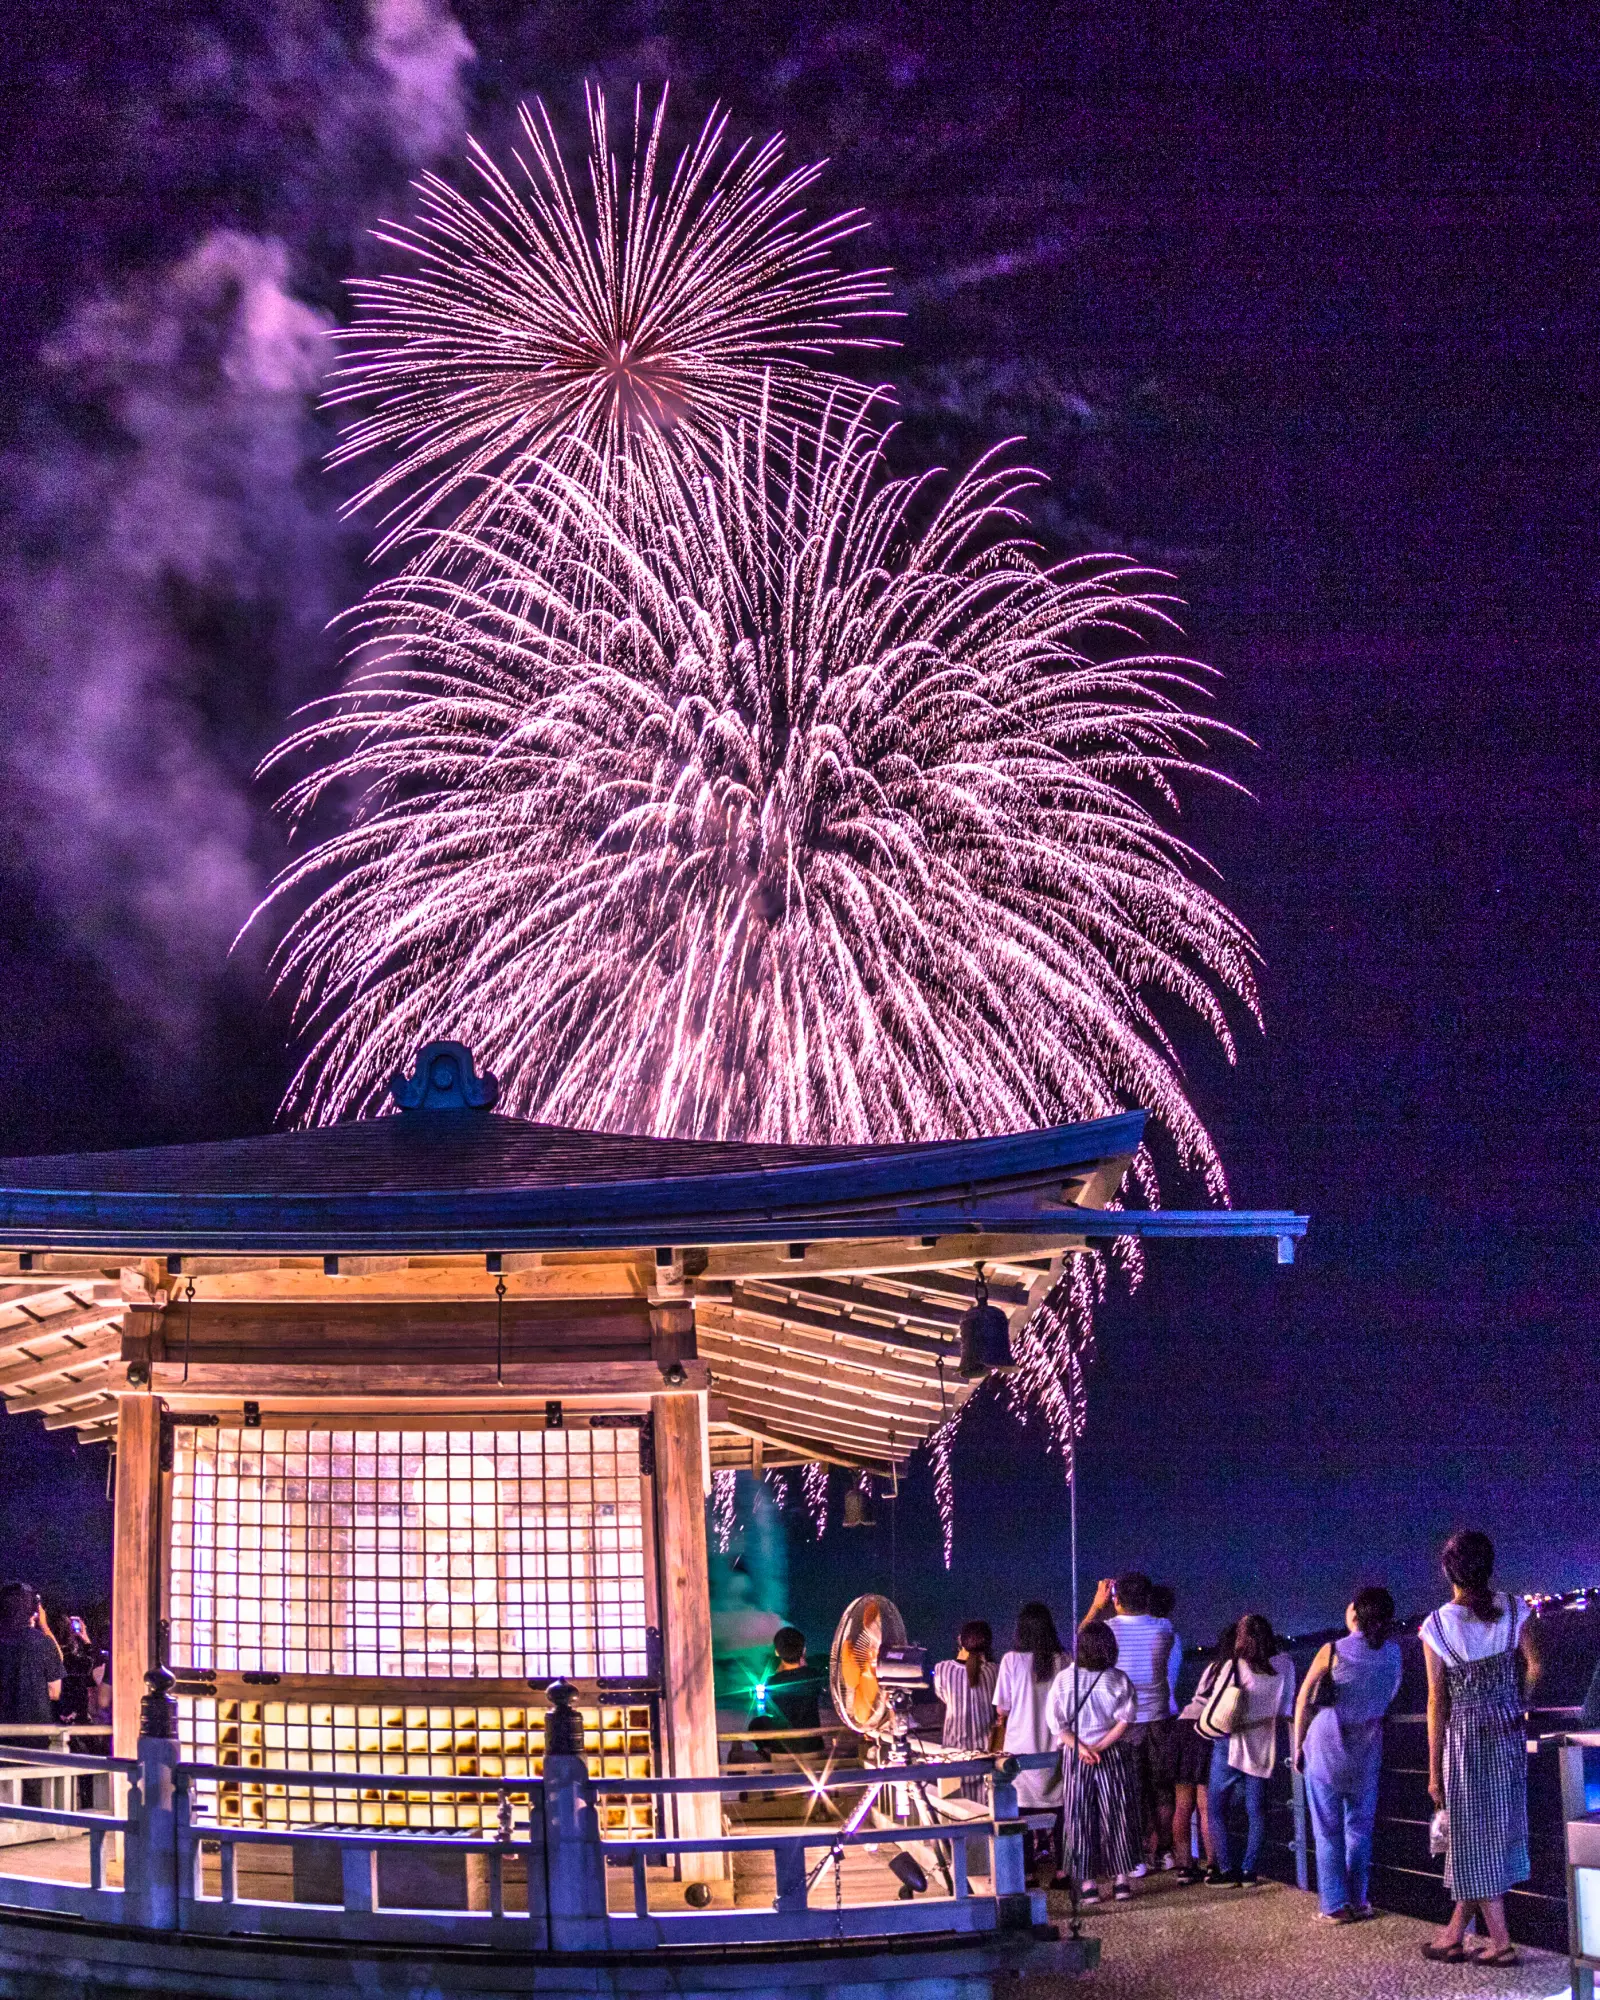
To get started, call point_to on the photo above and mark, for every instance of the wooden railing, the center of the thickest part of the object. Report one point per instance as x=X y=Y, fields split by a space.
x=551 y=1837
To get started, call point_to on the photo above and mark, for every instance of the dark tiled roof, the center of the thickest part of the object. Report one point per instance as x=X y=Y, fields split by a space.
x=459 y=1150
x=470 y=1180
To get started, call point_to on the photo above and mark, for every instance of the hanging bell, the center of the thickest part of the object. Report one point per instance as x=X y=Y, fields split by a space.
x=985 y=1335
x=855 y=1509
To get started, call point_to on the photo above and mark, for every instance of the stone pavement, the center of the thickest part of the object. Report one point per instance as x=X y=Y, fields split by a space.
x=1261 y=1944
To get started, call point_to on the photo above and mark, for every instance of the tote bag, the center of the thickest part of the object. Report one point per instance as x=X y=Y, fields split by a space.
x=1226 y=1706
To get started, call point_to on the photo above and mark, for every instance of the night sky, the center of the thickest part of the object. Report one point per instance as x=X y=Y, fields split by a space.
x=1298 y=302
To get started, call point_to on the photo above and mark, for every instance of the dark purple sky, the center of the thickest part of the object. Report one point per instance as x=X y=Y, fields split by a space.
x=1299 y=301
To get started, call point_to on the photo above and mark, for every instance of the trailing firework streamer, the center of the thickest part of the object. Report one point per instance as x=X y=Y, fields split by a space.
x=629 y=318
x=789 y=819
x=814 y=1485
x=724 y=1487
x=944 y=1489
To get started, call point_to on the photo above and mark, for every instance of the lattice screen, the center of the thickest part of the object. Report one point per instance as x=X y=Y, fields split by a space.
x=393 y=1740
x=454 y=1555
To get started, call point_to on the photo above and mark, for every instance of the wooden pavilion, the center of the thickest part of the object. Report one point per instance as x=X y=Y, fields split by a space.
x=414 y=1415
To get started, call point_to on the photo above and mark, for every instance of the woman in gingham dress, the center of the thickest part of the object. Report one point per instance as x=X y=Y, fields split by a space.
x=1091 y=1708
x=1477 y=1762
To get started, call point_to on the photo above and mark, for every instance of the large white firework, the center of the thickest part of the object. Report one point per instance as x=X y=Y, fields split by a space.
x=791 y=820
x=635 y=317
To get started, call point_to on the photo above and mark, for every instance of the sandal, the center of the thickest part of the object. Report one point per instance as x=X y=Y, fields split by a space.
x=1445 y=1954
x=1506 y=1955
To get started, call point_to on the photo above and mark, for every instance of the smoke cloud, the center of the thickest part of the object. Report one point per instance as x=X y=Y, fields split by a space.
x=422 y=50
x=174 y=553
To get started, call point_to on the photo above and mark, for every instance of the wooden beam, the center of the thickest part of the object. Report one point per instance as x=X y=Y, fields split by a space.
x=895 y=1307
x=685 y=1594
x=809 y=1450
x=958 y=1291
x=848 y=1377
x=323 y=1333
x=103 y=1346
x=888 y=1364
x=786 y=1313
x=136 y=1563
x=78 y=1325
x=858 y=1256
x=259 y=1381
x=102 y=1410
x=823 y=1414
x=370 y=1280
x=58 y=1394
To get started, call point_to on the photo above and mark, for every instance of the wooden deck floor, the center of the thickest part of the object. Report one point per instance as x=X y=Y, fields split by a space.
x=1167 y=1944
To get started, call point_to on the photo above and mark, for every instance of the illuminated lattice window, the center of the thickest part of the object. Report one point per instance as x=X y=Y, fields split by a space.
x=499 y=1555
x=395 y=1740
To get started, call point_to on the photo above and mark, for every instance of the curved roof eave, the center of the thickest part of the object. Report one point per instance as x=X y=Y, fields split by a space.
x=951 y=1187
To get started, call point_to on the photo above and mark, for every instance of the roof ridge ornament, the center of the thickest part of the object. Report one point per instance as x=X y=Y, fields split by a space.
x=444 y=1079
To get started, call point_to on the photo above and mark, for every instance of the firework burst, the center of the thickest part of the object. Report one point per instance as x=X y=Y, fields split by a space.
x=637 y=322
x=794 y=820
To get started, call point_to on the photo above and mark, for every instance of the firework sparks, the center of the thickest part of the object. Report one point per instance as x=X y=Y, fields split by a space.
x=724 y=1487
x=814 y=1486
x=638 y=325
x=790 y=822
x=944 y=1488
x=778 y=1487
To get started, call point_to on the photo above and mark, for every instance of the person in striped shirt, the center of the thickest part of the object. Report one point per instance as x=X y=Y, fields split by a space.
x=1144 y=1648
x=966 y=1687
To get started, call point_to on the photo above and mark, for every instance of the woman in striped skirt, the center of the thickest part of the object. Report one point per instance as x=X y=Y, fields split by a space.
x=966 y=1687
x=1477 y=1763
x=1091 y=1708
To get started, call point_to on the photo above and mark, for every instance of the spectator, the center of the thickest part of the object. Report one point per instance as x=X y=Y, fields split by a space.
x=1144 y=1648
x=1021 y=1693
x=1244 y=1760
x=1164 y=1744
x=1191 y=1763
x=1089 y=1713
x=30 y=1659
x=1340 y=1749
x=966 y=1687
x=1477 y=1763
x=79 y=1660
x=1163 y=1602
x=788 y=1700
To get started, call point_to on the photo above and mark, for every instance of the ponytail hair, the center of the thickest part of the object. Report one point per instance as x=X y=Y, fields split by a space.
x=977 y=1642
x=1468 y=1561
x=1374 y=1609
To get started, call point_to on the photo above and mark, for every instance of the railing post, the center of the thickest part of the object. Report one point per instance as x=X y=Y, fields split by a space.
x=1574 y=1806
x=150 y=1864
x=789 y=1872
x=574 y=1864
x=358 y=1871
x=1297 y=1798
x=1013 y=1904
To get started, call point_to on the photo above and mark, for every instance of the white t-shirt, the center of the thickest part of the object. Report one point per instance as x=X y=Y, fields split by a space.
x=1254 y=1748
x=1144 y=1649
x=1100 y=1700
x=1022 y=1701
x=1452 y=1628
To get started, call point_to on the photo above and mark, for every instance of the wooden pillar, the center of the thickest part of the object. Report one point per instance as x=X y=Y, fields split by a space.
x=685 y=1590
x=136 y=1563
